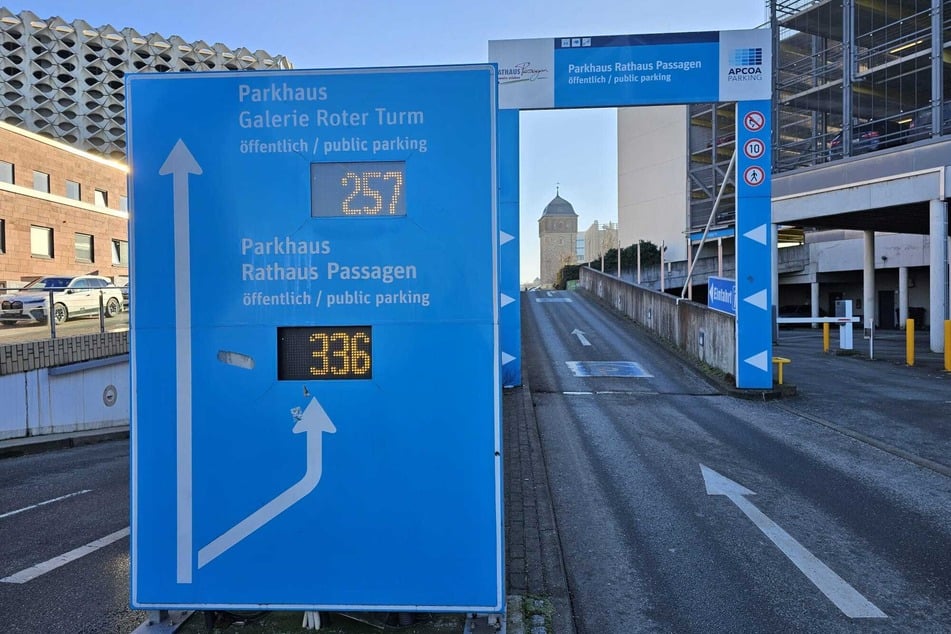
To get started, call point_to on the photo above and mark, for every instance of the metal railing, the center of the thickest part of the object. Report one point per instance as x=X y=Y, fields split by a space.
x=50 y=326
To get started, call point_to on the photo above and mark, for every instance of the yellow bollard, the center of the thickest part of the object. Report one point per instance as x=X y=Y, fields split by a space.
x=947 y=345
x=780 y=362
x=910 y=342
x=825 y=337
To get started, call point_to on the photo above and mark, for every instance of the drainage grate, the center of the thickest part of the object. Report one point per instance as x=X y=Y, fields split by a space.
x=625 y=369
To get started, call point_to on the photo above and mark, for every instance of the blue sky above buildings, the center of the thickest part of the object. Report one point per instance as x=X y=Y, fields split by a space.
x=574 y=148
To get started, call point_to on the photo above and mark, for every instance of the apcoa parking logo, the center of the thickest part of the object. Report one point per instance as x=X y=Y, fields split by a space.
x=746 y=64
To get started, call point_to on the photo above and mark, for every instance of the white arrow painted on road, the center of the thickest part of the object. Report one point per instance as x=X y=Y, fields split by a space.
x=760 y=361
x=314 y=423
x=506 y=300
x=580 y=335
x=507 y=358
x=844 y=596
x=757 y=299
x=758 y=234
x=180 y=163
x=505 y=238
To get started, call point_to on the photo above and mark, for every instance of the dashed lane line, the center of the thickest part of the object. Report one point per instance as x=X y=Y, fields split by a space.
x=33 y=506
x=28 y=574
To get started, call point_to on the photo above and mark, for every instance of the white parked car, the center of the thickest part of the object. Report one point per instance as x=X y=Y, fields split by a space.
x=72 y=296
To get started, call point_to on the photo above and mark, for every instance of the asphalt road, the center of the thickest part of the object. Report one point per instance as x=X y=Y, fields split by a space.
x=50 y=505
x=807 y=530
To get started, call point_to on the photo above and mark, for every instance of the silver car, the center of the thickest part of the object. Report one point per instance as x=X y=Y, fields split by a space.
x=72 y=296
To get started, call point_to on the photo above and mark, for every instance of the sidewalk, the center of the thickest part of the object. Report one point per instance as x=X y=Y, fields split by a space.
x=533 y=561
x=14 y=447
x=871 y=394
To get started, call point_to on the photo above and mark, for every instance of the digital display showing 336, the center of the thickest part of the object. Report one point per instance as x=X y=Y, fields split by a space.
x=324 y=352
x=369 y=189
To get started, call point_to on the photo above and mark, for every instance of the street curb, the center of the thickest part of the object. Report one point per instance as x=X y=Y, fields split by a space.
x=556 y=580
x=16 y=447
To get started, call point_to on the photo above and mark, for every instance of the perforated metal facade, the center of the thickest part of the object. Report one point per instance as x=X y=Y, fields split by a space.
x=65 y=79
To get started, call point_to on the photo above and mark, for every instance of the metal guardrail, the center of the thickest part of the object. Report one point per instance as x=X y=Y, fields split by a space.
x=52 y=329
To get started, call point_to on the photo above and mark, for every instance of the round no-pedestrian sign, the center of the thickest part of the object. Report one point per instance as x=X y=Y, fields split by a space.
x=754 y=175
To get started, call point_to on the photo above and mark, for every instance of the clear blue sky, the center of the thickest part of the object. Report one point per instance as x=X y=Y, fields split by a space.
x=577 y=149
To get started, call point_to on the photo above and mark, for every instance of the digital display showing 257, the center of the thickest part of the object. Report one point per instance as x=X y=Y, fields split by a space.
x=307 y=353
x=368 y=189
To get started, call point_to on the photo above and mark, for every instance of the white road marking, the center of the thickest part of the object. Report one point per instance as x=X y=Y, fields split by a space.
x=580 y=335
x=33 y=506
x=33 y=572
x=836 y=589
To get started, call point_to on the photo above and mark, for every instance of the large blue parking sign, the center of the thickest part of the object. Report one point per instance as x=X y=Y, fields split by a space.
x=315 y=340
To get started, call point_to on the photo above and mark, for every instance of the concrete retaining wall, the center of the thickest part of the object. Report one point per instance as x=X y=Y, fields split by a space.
x=704 y=334
x=64 y=385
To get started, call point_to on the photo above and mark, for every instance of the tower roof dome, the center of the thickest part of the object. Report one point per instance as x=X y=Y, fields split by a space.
x=559 y=207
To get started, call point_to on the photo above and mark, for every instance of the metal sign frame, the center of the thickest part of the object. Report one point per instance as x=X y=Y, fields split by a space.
x=658 y=69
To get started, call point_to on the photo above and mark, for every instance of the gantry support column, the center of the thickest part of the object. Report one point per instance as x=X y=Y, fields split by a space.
x=938 y=273
x=902 y=296
x=868 y=280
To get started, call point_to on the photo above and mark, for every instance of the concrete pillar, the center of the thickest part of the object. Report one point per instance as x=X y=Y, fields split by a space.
x=902 y=296
x=868 y=280
x=939 y=273
x=719 y=257
x=814 y=300
x=638 y=260
x=774 y=270
x=689 y=282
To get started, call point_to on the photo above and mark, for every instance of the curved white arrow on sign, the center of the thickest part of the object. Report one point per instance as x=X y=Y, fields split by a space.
x=314 y=422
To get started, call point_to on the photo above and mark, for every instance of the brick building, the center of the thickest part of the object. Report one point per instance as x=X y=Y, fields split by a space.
x=62 y=210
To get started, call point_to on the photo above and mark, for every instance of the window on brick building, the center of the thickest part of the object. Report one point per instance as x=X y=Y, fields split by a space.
x=74 y=190
x=84 y=248
x=123 y=203
x=102 y=198
x=120 y=252
x=3 y=236
x=41 y=181
x=6 y=172
x=41 y=242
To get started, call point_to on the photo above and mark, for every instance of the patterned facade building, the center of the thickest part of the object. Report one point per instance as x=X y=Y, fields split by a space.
x=558 y=234
x=64 y=80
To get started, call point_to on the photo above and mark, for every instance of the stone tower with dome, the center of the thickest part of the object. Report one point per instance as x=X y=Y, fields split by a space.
x=557 y=232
